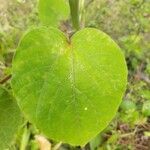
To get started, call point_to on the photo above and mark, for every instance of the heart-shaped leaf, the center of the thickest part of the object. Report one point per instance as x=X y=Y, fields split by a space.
x=51 y=12
x=70 y=89
x=10 y=118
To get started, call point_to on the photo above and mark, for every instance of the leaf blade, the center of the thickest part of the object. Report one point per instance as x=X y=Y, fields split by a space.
x=52 y=12
x=10 y=118
x=73 y=84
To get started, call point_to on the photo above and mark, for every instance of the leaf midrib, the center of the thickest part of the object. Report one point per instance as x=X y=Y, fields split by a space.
x=73 y=86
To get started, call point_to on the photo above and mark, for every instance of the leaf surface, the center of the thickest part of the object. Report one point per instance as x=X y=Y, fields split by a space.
x=70 y=90
x=10 y=118
x=52 y=12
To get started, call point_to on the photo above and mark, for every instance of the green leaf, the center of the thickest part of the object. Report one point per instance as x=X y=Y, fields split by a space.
x=128 y=106
x=52 y=12
x=146 y=108
x=95 y=142
x=10 y=118
x=70 y=89
x=145 y=94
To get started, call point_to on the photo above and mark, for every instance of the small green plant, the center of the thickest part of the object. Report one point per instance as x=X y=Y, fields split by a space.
x=68 y=87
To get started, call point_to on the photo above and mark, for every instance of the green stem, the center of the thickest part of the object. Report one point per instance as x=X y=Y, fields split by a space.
x=82 y=13
x=25 y=138
x=74 y=9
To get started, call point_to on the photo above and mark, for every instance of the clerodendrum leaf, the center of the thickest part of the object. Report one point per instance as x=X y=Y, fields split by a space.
x=51 y=12
x=70 y=90
x=10 y=118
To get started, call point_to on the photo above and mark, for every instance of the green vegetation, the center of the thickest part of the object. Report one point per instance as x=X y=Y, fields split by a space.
x=76 y=89
x=10 y=118
x=125 y=21
x=52 y=12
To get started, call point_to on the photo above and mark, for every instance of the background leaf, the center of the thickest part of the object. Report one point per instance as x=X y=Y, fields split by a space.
x=51 y=12
x=10 y=118
x=70 y=90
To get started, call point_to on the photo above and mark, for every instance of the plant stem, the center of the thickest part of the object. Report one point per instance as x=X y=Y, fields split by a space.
x=25 y=138
x=74 y=9
x=82 y=13
x=5 y=79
